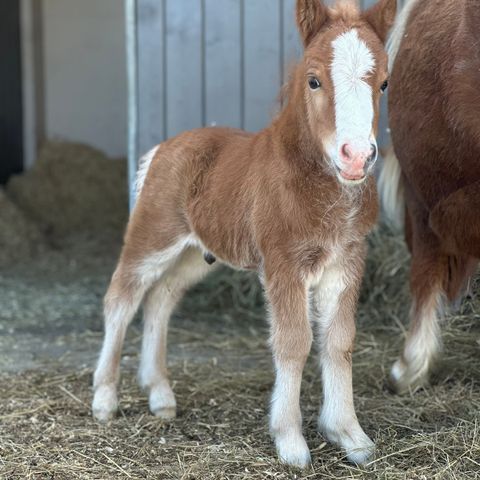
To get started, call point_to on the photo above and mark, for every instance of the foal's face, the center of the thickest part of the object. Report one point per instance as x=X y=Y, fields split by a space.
x=344 y=76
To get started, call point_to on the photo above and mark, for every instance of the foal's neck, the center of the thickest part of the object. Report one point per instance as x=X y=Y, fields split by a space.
x=294 y=134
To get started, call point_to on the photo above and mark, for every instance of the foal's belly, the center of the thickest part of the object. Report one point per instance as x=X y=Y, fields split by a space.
x=232 y=246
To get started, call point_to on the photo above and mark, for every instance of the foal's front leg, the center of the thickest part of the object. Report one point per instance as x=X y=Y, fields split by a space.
x=291 y=340
x=335 y=305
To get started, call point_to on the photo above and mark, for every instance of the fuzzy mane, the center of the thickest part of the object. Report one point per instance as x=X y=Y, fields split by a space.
x=346 y=10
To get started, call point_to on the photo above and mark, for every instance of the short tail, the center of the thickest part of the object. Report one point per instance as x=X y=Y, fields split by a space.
x=390 y=187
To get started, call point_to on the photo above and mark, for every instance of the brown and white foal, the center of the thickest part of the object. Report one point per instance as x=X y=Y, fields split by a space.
x=293 y=202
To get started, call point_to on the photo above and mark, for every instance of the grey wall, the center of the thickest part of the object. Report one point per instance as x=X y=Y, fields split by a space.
x=211 y=62
x=85 y=72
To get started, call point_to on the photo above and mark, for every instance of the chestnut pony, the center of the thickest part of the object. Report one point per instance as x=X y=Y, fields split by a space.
x=293 y=202
x=434 y=179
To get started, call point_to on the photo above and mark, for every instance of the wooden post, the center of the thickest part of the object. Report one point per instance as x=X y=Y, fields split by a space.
x=32 y=79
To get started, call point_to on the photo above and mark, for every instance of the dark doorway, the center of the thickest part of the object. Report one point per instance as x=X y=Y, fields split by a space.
x=11 y=138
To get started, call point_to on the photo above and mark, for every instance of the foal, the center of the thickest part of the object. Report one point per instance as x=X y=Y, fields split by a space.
x=293 y=202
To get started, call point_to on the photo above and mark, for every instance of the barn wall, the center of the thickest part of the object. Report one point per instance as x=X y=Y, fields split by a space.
x=85 y=72
x=211 y=62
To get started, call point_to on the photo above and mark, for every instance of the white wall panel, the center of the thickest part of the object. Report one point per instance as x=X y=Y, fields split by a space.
x=84 y=72
x=223 y=63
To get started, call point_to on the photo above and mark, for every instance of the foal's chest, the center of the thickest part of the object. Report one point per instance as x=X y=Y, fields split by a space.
x=336 y=234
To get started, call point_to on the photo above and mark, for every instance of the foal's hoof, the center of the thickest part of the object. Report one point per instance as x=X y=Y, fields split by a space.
x=363 y=453
x=356 y=443
x=165 y=413
x=162 y=403
x=293 y=451
x=105 y=403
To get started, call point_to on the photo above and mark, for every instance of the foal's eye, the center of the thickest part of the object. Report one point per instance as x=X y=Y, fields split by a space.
x=314 y=83
x=384 y=86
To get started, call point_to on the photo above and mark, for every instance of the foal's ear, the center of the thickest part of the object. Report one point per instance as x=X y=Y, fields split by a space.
x=311 y=15
x=381 y=17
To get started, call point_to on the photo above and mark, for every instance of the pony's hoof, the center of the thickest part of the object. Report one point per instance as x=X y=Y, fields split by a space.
x=403 y=379
x=105 y=403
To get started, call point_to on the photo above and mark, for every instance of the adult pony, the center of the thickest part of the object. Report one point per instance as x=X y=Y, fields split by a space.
x=293 y=202
x=433 y=179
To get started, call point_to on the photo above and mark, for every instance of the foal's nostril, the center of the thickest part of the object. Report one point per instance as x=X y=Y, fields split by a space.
x=347 y=151
x=373 y=154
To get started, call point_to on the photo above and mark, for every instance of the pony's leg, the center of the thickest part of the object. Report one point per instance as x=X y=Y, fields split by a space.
x=456 y=222
x=429 y=272
x=158 y=306
x=335 y=303
x=291 y=339
x=128 y=286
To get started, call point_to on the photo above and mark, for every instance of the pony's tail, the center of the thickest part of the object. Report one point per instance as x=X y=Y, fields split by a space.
x=390 y=187
x=390 y=183
x=398 y=31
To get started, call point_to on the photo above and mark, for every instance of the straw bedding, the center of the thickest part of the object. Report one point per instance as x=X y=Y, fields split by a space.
x=60 y=233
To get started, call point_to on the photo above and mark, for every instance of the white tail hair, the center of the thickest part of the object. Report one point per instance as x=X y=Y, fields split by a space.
x=143 y=166
x=390 y=182
x=390 y=187
x=398 y=31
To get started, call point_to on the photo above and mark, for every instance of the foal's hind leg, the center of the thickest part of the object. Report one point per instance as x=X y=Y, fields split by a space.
x=129 y=283
x=121 y=302
x=158 y=306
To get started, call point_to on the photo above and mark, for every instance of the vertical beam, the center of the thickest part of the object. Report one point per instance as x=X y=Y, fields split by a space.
x=32 y=79
x=132 y=75
x=11 y=115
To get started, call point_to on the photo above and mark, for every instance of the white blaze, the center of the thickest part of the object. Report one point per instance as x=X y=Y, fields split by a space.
x=352 y=62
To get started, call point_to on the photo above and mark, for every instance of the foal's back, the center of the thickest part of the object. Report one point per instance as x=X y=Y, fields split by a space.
x=180 y=172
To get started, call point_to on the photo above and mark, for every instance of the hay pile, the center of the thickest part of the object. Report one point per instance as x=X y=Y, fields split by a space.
x=221 y=371
x=72 y=188
x=19 y=236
